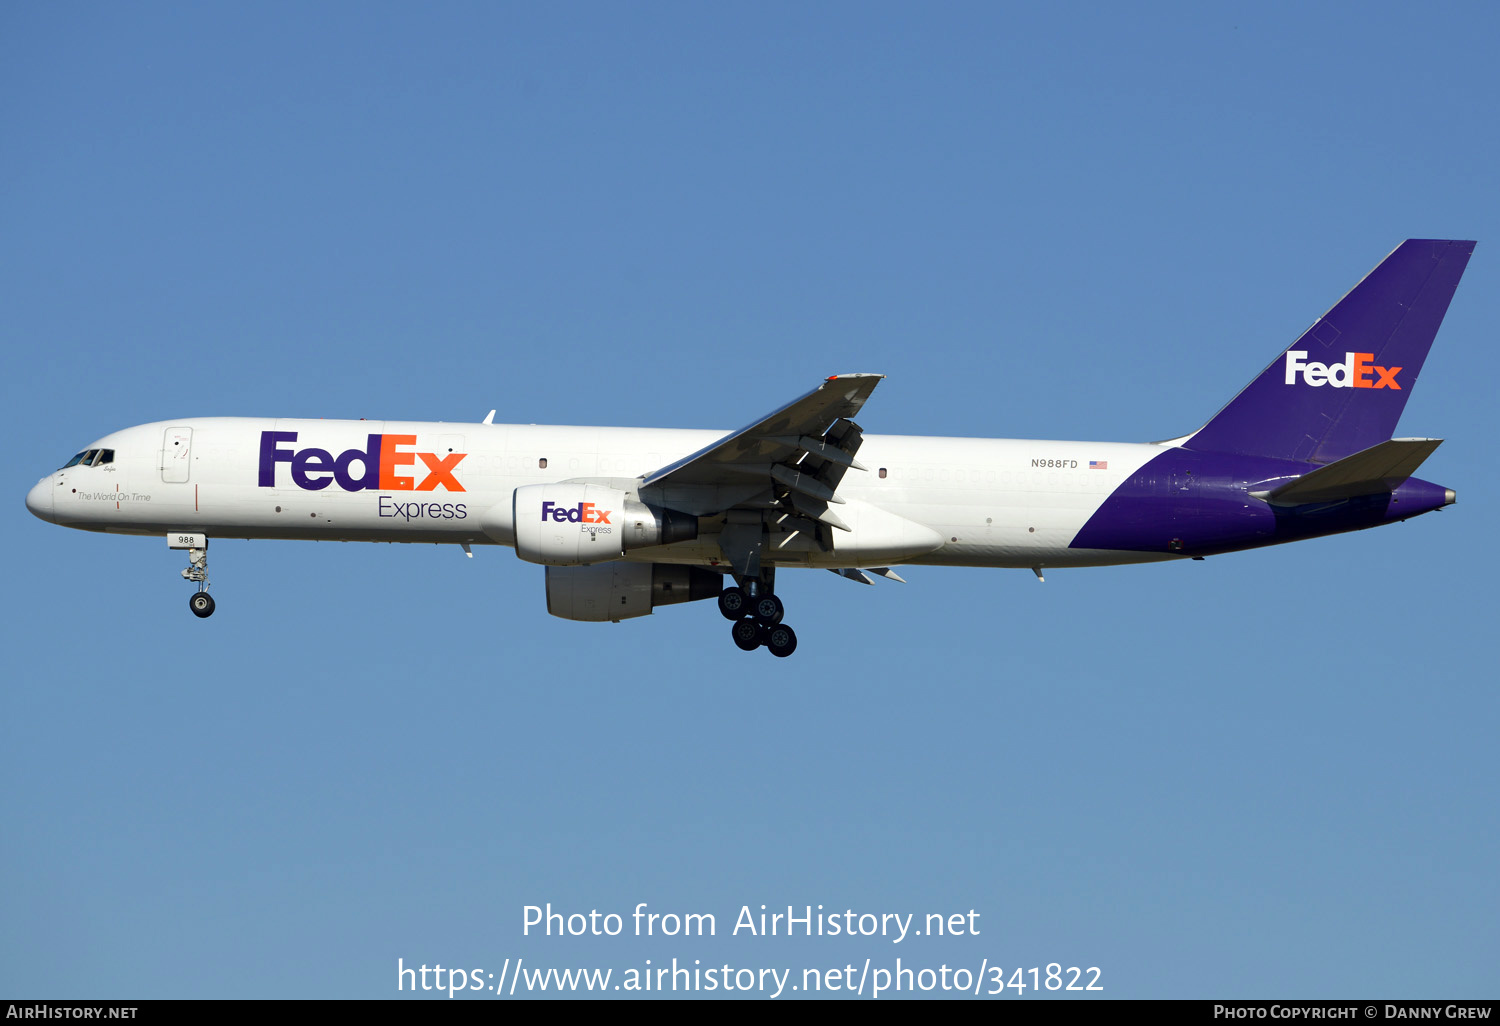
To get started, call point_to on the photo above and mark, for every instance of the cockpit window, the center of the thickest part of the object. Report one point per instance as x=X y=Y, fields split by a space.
x=91 y=458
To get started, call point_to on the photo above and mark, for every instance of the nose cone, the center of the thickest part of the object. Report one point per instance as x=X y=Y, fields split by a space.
x=39 y=499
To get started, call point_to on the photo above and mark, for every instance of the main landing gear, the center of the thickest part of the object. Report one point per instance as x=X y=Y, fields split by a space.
x=200 y=602
x=757 y=614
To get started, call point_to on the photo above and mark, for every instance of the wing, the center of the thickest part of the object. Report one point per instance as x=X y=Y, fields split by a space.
x=791 y=460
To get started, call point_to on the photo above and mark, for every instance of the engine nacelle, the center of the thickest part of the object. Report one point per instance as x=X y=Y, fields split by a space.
x=620 y=590
x=570 y=524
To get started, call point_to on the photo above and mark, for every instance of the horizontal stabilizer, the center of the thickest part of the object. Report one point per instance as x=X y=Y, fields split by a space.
x=1380 y=468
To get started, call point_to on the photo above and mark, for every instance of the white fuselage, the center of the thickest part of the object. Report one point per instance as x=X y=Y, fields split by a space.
x=950 y=501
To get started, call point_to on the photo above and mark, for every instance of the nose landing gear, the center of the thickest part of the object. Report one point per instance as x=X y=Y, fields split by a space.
x=200 y=602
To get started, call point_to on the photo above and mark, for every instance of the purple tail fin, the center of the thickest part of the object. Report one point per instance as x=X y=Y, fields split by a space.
x=1340 y=388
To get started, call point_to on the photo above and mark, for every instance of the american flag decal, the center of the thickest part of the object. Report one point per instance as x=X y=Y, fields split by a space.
x=1098 y=464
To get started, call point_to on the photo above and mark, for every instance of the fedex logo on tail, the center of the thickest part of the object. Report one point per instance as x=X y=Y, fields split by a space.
x=1355 y=372
x=583 y=513
x=380 y=465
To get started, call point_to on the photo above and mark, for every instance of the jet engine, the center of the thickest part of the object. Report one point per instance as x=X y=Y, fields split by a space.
x=570 y=524
x=620 y=590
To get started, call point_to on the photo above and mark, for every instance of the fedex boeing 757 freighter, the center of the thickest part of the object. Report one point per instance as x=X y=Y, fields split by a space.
x=628 y=519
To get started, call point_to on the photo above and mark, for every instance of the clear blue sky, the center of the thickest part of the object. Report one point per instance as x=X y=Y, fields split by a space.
x=1267 y=774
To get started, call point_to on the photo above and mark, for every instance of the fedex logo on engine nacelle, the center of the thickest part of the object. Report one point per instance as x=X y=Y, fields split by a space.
x=1355 y=372
x=377 y=466
x=583 y=513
